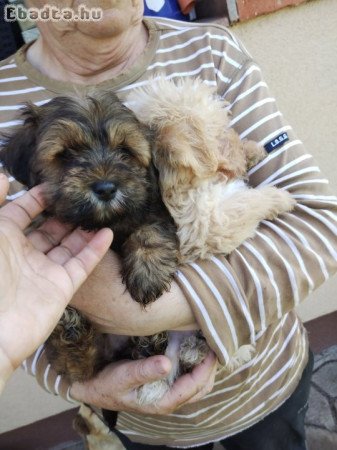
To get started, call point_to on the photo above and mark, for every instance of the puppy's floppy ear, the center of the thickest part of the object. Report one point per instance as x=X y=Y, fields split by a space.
x=153 y=178
x=18 y=148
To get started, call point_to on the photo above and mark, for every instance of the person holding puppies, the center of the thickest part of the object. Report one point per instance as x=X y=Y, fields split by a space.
x=245 y=298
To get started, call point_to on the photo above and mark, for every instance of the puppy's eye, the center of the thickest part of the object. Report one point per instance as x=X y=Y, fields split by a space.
x=126 y=152
x=66 y=156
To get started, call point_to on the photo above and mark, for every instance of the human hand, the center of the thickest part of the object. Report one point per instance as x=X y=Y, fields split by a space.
x=39 y=274
x=115 y=387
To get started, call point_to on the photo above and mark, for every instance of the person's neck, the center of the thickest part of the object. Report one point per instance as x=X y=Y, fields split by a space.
x=86 y=60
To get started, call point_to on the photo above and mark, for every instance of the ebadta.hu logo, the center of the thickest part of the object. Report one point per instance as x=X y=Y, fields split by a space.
x=51 y=13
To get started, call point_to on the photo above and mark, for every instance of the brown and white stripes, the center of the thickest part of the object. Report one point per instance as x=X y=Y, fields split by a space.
x=249 y=296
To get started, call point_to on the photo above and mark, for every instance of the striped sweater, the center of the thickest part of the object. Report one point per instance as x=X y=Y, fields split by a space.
x=250 y=295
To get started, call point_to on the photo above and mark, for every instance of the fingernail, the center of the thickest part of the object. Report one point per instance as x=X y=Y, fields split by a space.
x=163 y=366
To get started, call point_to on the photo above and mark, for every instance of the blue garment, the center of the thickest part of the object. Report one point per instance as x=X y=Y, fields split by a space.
x=164 y=8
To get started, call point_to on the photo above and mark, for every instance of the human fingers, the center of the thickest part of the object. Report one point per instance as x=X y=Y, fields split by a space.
x=87 y=258
x=210 y=362
x=189 y=387
x=4 y=186
x=115 y=387
x=25 y=208
x=145 y=371
x=48 y=235
x=70 y=246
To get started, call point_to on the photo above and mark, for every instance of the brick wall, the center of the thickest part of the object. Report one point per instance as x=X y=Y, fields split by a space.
x=248 y=9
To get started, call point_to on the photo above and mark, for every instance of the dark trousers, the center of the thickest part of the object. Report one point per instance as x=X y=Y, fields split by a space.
x=283 y=429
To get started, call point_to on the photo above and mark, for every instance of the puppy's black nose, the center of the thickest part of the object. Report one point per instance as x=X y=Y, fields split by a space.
x=104 y=190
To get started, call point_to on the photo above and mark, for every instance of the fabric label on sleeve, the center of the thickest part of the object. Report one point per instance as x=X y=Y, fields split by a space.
x=276 y=142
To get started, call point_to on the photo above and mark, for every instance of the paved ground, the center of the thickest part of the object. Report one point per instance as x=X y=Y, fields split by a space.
x=322 y=414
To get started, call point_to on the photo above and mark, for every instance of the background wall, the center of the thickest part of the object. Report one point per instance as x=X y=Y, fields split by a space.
x=296 y=48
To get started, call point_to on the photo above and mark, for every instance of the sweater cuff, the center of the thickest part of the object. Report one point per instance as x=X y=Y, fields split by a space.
x=38 y=366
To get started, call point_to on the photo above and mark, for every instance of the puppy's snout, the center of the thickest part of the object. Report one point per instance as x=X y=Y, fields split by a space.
x=104 y=190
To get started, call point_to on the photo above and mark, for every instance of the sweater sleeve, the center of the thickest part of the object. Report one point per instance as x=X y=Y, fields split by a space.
x=38 y=366
x=235 y=298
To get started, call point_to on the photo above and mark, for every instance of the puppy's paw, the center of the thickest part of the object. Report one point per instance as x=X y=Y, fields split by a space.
x=145 y=346
x=152 y=393
x=145 y=285
x=150 y=258
x=254 y=153
x=193 y=351
x=277 y=201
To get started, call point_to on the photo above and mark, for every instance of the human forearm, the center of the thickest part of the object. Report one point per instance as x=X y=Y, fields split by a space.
x=104 y=299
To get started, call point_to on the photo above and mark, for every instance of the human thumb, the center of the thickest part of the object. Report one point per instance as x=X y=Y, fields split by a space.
x=147 y=370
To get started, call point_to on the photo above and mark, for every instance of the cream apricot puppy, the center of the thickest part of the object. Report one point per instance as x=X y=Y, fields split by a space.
x=203 y=168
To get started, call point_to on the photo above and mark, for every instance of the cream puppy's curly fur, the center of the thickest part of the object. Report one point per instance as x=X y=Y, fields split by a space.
x=202 y=166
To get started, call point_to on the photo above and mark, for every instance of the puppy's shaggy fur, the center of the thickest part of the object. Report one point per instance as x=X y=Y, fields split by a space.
x=202 y=165
x=95 y=159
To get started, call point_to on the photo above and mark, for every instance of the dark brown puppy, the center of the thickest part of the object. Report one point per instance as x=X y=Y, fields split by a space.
x=94 y=157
